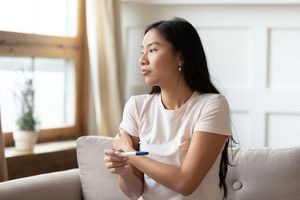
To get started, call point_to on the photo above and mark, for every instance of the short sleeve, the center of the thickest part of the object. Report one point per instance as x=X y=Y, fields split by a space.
x=215 y=116
x=130 y=118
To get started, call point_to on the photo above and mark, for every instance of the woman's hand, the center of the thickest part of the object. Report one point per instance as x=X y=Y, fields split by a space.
x=123 y=142
x=114 y=163
x=131 y=180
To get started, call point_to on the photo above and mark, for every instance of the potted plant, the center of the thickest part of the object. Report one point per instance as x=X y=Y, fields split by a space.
x=26 y=133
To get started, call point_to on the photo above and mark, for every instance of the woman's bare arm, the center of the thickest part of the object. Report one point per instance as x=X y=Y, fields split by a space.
x=131 y=180
x=132 y=184
x=203 y=151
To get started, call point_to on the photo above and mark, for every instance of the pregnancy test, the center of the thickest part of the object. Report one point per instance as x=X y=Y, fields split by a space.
x=135 y=153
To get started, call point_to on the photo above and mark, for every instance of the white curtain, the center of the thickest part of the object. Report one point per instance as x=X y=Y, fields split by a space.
x=102 y=42
x=3 y=167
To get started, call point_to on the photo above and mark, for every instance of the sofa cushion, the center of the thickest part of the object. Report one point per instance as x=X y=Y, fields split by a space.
x=96 y=181
x=264 y=173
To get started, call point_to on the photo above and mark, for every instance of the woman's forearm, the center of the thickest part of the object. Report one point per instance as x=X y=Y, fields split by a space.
x=202 y=153
x=203 y=150
x=132 y=183
x=167 y=175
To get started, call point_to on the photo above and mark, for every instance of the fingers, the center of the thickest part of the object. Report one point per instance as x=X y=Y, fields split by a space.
x=109 y=152
x=115 y=164
x=111 y=156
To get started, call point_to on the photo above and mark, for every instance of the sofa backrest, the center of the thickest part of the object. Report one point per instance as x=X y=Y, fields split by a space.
x=256 y=174
x=264 y=173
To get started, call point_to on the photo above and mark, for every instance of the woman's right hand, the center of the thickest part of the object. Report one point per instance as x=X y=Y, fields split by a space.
x=115 y=164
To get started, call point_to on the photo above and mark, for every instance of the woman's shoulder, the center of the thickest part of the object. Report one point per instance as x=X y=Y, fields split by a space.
x=142 y=97
x=210 y=96
x=210 y=99
x=141 y=100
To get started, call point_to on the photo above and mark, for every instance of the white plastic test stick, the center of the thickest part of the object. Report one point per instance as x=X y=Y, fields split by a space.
x=135 y=153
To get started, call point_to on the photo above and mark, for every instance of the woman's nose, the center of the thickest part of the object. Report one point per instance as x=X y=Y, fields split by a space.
x=143 y=59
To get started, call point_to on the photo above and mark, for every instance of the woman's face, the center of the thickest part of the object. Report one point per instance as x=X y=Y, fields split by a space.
x=159 y=62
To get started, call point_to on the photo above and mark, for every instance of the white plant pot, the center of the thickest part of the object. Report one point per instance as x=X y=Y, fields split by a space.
x=25 y=140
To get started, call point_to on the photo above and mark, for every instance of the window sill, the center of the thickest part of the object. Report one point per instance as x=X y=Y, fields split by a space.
x=42 y=148
x=45 y=158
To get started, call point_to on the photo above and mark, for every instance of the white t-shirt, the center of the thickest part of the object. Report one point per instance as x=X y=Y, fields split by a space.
x=166 y=135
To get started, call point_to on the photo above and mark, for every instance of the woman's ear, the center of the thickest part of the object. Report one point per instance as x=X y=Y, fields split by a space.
x=180 y=60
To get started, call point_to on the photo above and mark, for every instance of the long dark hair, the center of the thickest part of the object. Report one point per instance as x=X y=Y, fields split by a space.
x=185 y=39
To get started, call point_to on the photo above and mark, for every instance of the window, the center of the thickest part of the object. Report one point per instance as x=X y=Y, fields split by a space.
x=46 y=17
x=44 y=36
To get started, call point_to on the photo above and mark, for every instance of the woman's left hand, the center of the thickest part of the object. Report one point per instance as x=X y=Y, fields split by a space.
x=123 y=141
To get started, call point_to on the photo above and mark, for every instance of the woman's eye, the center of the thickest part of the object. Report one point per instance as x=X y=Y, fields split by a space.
x=142 y=52
x=153 y=50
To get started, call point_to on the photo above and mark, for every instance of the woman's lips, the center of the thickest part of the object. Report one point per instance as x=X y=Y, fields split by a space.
x=145 y=72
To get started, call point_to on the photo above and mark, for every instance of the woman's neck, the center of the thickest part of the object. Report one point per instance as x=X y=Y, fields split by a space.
x=173 y=99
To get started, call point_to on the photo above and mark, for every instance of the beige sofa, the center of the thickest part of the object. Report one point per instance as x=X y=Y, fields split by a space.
x=257 y=174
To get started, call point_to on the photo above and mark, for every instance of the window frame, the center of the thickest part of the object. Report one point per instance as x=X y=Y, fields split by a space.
x=15 y=44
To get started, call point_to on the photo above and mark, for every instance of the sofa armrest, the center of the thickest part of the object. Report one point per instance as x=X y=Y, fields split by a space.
x=62 y=185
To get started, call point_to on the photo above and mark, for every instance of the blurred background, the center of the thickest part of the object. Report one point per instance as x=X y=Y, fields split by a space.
x=84 y=55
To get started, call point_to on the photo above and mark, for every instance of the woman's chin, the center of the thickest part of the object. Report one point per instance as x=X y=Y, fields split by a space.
x=149 y=82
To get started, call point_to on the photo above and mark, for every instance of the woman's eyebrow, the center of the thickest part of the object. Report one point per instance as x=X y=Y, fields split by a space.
x=152 y=43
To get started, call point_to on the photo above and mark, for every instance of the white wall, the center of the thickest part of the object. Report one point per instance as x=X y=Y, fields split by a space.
x=253 y=51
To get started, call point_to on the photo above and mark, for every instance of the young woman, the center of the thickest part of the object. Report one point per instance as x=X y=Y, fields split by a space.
x=184 y=123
